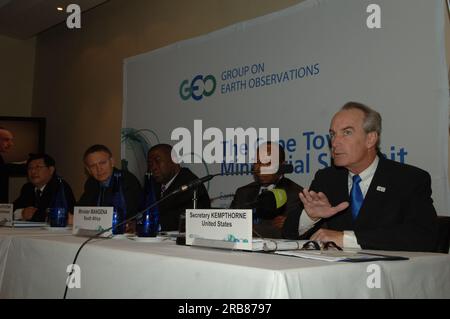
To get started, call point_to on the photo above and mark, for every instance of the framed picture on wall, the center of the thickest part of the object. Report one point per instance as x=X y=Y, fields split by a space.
x=29 y=137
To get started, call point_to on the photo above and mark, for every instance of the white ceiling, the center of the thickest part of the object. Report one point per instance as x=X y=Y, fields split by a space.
x=23 y=19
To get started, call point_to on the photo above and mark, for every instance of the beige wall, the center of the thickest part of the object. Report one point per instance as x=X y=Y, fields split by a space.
x=78 y=74
x=16 y=76
x=16 y=86
x=447 y=50
x=78 y=78
x=447 y=37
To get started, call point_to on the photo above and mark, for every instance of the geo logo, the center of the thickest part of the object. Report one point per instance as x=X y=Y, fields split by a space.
x=198 y=88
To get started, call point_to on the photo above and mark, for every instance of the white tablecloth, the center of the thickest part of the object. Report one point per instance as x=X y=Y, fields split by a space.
x=33 y=264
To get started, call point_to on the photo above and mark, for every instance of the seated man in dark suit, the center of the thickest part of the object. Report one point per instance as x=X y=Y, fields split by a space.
x=365 y=200
x=271 y=224
x=169 y=176
x=39 y=193
x=98 y=189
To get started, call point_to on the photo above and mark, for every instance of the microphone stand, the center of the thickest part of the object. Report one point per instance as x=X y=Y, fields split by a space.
x=194 y=198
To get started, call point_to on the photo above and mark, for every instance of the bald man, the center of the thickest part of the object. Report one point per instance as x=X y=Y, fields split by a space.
x=169 y=176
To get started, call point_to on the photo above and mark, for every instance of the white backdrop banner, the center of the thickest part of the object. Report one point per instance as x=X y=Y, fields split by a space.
x=292 y=70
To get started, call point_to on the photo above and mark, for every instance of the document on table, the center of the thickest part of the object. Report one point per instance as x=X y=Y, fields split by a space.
x=334 y=255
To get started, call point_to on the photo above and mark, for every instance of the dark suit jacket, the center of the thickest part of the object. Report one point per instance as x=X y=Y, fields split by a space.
x=246 y=195
x=399 y=217
x=7 y=170
x=27 y=198
x=131 y=188
x=171 y=209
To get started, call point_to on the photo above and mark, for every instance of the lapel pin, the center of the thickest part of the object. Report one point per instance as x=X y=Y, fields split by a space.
x=381 y=189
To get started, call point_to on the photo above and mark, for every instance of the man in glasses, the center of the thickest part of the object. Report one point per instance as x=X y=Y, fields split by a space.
x=365 y=200
x=38 y=194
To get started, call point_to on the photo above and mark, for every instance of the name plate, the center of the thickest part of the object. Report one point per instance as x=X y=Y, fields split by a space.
x=6 y=214
x=222 y=228
x=90 y=220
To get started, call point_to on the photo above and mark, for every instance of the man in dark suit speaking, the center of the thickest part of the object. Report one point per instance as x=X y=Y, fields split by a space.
x=364 y=200
x=169 y=176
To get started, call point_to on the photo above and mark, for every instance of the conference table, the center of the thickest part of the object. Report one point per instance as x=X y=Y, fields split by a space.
x=34 y=264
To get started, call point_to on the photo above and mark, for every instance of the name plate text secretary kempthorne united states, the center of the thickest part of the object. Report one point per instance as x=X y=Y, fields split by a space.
x=221 y=228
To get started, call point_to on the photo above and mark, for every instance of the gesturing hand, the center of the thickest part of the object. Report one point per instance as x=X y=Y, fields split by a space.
x=317 y=204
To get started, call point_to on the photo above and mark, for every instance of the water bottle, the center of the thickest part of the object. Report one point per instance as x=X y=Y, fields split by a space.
x=57 y=213
x=149 y=226
x=118 y=202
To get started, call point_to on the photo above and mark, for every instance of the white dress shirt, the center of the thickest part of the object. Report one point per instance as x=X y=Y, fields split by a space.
x=349 y=240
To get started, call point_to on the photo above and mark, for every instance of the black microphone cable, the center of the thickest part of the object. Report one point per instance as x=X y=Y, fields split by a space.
x=138 y=215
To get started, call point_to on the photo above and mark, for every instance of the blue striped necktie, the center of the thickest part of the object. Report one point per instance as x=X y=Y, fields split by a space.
x=356 y=197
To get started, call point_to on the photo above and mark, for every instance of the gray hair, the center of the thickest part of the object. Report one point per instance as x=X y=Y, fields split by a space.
x=372 y=119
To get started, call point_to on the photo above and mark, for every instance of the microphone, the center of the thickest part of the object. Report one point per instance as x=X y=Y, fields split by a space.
x=268 y=202
x=194 y=183
x=283 y=168
x=277 y=196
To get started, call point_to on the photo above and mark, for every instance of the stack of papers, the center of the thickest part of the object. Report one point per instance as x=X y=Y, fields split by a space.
x=266 y=244
x=20 y=223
